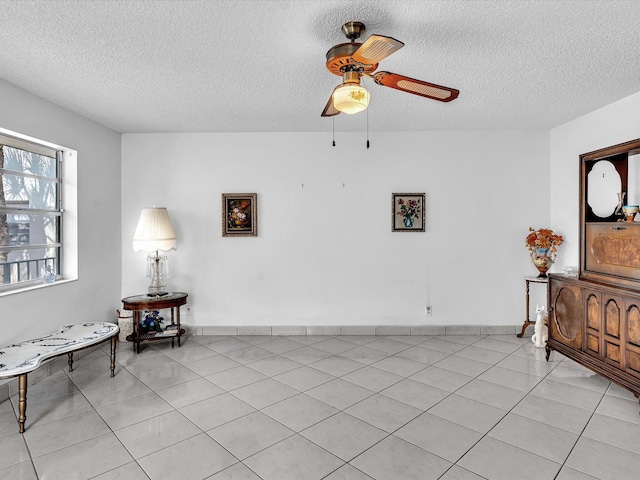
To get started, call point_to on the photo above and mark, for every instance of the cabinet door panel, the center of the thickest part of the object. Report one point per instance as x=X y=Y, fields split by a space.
x=566 y=324
x=612 y=329
x=612 y=353
x=593 y=312
x=593 y=344
x=632 y=331
x=593 y=323
x=633 y=325
x=613 y=249
x=633 y=362
x=612 y=317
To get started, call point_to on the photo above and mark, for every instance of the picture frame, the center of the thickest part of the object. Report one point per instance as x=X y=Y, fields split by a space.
x=408 y=212
x=239 y=214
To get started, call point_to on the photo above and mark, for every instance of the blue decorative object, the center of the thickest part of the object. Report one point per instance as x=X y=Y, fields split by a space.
x=152 y=322
x=49 y=276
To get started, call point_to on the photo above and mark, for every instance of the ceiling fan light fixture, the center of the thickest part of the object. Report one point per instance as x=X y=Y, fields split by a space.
x=350 y=98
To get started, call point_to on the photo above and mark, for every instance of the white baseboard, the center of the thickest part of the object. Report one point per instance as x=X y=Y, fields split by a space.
x=381 y=330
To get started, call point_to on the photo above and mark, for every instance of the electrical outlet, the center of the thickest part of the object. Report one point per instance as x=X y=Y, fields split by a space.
x=427 y=311
x=189 y=312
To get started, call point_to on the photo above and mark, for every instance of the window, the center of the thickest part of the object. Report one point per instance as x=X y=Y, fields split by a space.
x=31 y=212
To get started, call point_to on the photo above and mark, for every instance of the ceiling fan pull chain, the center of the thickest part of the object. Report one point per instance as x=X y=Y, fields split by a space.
x=333 y=126
x=368 y=129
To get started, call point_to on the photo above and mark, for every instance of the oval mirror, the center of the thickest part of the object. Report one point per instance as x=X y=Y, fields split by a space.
x=603 y=185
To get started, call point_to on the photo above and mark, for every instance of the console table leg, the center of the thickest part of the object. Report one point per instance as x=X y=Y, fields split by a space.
x=524 y=327
x=178 y=325
x=173 y=343
x=70 y=361
x=526 y=322
x=548 y=350
x=113 y=355
x=22 y=402
x=136 y=326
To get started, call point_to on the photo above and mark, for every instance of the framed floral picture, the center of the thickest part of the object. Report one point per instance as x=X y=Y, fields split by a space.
x=408 y=212
x=239 y=214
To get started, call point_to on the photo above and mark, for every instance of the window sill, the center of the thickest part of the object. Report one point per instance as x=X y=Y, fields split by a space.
x=38 y=286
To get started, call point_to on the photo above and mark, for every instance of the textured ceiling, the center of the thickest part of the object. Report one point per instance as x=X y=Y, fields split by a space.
x=236 y=66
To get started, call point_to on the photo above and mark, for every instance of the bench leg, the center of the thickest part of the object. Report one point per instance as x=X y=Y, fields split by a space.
x=70 y=362
x=113 y=355
x=22 y=402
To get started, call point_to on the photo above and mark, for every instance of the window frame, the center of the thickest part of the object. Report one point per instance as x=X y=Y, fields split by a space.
x=65 y=182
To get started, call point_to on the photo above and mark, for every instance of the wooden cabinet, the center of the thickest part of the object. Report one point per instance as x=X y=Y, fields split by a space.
x=598 y=326
x=595 y=319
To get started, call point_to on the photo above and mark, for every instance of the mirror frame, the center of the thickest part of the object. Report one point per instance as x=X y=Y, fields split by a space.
x=593 y=186
x=618 y=155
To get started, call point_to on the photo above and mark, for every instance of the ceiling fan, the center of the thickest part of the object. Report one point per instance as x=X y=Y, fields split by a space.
x=353 y=60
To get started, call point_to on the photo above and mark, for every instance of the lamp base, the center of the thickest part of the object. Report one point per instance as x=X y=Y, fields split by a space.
x=157 y=269
x=153 y=293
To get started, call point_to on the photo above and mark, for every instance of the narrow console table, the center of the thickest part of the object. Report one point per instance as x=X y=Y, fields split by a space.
x=527 y=281
x=140 y=303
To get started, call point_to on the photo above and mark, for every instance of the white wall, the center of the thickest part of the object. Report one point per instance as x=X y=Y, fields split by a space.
x=325 y=255
x=613 y=124
x=95 y=295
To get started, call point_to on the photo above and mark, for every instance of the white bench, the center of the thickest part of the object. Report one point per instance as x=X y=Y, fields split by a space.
x=19 y=359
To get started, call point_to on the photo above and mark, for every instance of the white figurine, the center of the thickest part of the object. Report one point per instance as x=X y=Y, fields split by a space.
x=541 y=334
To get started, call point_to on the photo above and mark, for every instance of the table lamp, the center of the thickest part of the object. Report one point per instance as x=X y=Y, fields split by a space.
x=155 y=233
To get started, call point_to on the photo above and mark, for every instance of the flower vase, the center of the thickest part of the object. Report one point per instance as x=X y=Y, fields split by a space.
x=542 y=261
x=408 y=222
x=618 y=213
x=49 y=276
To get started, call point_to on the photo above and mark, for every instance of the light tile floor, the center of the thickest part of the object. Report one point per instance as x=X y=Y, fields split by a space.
x=335 y=408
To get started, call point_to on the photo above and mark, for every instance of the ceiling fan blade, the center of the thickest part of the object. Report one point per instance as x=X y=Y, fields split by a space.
x=417 y=87
x=375 y=49
x=329 y=109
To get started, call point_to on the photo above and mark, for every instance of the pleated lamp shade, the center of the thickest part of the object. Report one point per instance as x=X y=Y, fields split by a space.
x=154 y=231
